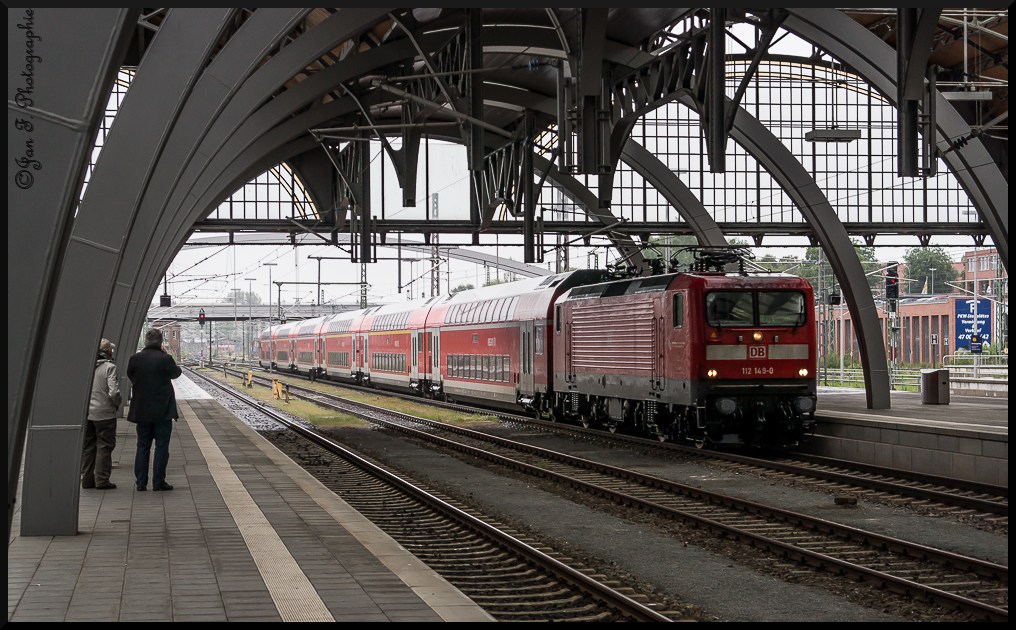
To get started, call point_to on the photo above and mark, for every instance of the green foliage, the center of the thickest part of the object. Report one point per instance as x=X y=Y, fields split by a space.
x=920 y=261
x=463 y=287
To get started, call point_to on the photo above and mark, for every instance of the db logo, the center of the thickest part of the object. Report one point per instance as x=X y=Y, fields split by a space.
x=491 y=342
x=756 y=352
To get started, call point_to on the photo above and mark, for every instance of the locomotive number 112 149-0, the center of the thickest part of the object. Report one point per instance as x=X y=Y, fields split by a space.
x=747 y=371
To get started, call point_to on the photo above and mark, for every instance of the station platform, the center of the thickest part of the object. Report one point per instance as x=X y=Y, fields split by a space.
x=966 y=439
x=245 y=535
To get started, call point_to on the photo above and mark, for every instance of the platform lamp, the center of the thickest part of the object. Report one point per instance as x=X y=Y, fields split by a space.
x=235 y=298
x=271 y=371
x=250 y=316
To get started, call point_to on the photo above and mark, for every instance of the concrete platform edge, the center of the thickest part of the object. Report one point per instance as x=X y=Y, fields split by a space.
x=444 y=598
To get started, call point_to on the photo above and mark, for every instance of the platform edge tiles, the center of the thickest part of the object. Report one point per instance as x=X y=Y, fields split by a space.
x=962 y=451
x=444 y=598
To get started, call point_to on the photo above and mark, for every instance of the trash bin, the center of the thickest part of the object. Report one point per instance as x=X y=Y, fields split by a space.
x=935 y=387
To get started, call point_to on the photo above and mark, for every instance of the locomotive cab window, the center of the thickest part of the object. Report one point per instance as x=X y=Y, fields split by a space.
x=678 y=311
x=730 y=308
x=781 y=308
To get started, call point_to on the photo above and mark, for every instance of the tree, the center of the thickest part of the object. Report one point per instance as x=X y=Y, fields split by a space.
x=920 y=261
x=463 y=287
x=680 y=259
x=242 y=298
x=811 y=269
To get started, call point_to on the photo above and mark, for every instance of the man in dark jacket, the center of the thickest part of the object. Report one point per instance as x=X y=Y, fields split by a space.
x=152 y=408
x=100 y=430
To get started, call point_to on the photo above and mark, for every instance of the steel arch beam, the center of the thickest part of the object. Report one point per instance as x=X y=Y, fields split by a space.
x=176 y=224
x=212 y=93
x=248 y=100
x=788 y=171
x=181 y=48
x=81 y=52
x=875 y=62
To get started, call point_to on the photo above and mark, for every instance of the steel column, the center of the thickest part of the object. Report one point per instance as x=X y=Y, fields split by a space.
x=76 y=55
x=170 y=68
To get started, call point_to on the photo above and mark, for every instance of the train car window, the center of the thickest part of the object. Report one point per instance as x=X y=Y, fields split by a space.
x=498 y=368
x=730 y=308
x=507 y=368
x=414 y=349
x=484 y=367
x=781 y=308
x=511 y=307
x=437 y=350
x=539 y=340
x=474 y=367
x=557 y=319
x=678 y=310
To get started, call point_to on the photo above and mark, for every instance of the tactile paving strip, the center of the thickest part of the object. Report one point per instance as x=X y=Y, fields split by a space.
x=293 y=594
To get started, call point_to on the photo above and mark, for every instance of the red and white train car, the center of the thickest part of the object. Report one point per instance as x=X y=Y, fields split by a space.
x=705 y=357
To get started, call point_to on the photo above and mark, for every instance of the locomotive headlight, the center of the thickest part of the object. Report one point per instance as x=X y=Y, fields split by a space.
x=802 y=372
x=804 y=404
x=726 y=406
x=757 y=336
x=711 y=373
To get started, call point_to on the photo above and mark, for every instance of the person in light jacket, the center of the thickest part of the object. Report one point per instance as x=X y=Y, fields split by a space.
x=100 y=430
x=152 y=408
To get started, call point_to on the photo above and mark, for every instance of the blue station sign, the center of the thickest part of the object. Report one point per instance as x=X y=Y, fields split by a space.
x=965 y=321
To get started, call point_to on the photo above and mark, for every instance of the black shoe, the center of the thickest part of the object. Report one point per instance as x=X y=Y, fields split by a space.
x=164 y=486
x=109 y=485
x=87 y=485
x=142 y=488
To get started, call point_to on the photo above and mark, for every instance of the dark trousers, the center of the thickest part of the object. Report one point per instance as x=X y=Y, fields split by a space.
x=97 y=454
x=148 y=431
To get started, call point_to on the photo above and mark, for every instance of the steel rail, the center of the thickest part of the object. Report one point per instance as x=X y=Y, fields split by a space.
x=584 y=583
x=913 y=550
x=974 y=503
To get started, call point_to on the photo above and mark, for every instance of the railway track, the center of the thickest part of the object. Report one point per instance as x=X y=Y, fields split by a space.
x=940 y=493
x=499 y=570
x=949 y=579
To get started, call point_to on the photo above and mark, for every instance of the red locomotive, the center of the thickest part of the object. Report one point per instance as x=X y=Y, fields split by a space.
x=704 y=357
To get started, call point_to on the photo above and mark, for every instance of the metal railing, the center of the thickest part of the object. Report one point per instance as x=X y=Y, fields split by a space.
x=906 y=379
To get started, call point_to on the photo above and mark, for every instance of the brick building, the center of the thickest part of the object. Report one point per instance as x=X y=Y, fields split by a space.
x=170 y=337
x=982 y=264
x=927 y=327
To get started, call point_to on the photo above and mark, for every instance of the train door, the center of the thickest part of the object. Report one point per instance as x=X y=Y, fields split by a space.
x=423 y=351
x=414 y=372
x=569 y=363
x=358 y=341
x=435 y=351
x=659 y=342
x=526 y=358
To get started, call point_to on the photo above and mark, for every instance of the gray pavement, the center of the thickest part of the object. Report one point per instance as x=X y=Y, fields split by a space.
x=974 y=412
x=187 y=554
